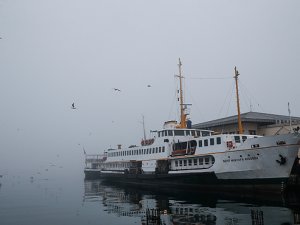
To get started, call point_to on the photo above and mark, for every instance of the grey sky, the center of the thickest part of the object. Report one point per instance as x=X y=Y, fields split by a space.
x=53 y=53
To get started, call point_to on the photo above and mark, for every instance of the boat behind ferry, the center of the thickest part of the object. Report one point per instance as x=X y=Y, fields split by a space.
x=180 y=157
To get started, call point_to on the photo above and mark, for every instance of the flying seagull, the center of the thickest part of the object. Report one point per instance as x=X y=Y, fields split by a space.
x=116 y=89
x=148 y=85
x=73 y=106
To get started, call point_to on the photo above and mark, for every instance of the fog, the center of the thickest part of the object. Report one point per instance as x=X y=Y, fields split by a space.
x=54 y=53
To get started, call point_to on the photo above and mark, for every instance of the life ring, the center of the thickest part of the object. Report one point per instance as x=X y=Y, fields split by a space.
x=229 y=144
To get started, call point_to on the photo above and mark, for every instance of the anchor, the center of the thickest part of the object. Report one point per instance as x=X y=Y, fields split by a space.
x=282 y=160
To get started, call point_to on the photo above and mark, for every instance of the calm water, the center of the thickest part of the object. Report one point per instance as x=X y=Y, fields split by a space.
x=71 y=200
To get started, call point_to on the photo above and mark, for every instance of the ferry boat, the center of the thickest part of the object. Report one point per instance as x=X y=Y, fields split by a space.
x=182 y=157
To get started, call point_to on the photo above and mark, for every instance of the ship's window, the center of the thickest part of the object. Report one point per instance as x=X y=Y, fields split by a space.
x=206 y=161
x=163 y=149
x=180 y=162
x=200 y=143
x=153 y=150
x=205 y=133
x=200 y=161
x=237 y=139
x=187 y=132
x=184 y=162
x=159 y=134
x=218 y=140
x=176 y=163
x=193 y=132
x=244 y=138
x=211 y=141
x=159 y=149
x=198 y=133
x=192 y=144
x=162 y=133
x=166 y=133
x=206 y=142
x=179 y=132
x=190 y=162
x=170 y=132
x=195 y=162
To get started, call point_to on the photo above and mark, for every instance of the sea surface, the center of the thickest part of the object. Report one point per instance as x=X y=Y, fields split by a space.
x=64 y=200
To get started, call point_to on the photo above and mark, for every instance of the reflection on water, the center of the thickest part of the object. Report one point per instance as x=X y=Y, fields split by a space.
x=61 y=201
x=154 y=208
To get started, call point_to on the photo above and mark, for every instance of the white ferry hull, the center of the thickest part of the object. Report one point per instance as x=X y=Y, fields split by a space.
x=259 y=175
x=259 y=165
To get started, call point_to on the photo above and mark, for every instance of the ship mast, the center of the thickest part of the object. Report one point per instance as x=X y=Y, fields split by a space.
x=182 y=105
x=144 y=127
x=236 y=74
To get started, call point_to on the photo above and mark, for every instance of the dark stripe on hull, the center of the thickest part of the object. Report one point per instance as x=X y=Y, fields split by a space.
x=92 y=174
x=207 y=182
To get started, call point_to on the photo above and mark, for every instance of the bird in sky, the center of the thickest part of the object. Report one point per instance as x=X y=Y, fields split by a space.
x=73 y=106
x=116 y=89
x=148 y=85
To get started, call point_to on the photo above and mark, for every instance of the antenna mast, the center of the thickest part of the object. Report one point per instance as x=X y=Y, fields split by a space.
x=236 y=74
x=182 y=105
x=144 y=127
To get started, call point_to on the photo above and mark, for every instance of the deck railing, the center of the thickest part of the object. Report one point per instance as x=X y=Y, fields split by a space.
x=96 y=158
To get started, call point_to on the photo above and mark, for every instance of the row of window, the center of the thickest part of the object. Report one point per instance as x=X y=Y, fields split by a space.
x=172 y=133
x=211 y=142
x=194 y=162
x=137 y=152
x=117 y=165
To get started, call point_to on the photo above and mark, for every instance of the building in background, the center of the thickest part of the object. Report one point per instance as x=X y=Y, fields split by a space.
x=253 y=123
